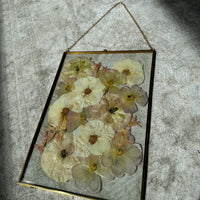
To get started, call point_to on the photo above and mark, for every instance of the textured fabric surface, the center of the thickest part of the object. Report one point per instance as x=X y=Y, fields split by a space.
x=33 y=36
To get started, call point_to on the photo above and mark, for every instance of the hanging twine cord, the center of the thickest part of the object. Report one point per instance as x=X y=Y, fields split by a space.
x=145 y=38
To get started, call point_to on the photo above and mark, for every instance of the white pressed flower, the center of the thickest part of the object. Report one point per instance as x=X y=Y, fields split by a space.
x=92 y=138
x=132 y=70
x=55 y=110
x=65 y=101
x=88 y=90
x=57 y=159
x=76 y=103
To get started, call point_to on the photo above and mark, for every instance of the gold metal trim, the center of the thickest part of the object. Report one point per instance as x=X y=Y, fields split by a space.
x=52 y=190
x=110 y=52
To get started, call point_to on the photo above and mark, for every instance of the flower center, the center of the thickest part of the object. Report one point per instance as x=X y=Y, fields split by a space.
x=87 y=91
x=63 y=153
x=77 y=68
x=119 y=152
x=93 y=139
x=82 y=117
x=130 y=97
x=68 y=88
x=93 y=166
x=110 y=82
x=113 y=110
x=126 y=72
x=65 y=111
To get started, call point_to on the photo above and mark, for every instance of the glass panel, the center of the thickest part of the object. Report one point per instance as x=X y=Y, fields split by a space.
x=92 y=135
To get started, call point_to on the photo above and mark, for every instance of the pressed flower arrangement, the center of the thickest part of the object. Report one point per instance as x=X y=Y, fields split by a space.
x=90 y=132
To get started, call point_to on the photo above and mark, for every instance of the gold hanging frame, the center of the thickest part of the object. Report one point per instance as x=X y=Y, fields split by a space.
x=148 y=123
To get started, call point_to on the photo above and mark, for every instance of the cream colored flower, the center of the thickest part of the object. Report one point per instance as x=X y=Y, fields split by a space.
x=65 y=86
x=57 y=159
x=92 y=138
x=57 y=111
x=78 y=68
x=89 y=90
x=132 y=70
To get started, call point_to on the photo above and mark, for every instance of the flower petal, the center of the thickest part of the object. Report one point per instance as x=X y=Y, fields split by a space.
x=94 y=184
x=73 y=121
x=134 y=152
x=118 y=168
x=56 y=166
x=81 y=176
x=130 y=166
x=134 y=68
x=129 y=107
x=124 y=91
x=102 y=145
x=114 y=89
x=78 y=67
x=96 y=90
x=140 y=95
x=54 y=114
x=107 y=159
x=142 y=100
x=106 y=173
x=107 y=118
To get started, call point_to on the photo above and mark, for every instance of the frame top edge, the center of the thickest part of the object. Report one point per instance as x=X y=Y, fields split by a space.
x=111 y=52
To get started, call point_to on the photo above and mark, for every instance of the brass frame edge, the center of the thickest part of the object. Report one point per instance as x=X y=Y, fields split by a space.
x=110 y=52
x=52 y=190
x=148 y=129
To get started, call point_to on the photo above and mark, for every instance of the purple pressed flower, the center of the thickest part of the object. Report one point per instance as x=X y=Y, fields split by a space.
x=112 y=113
x=74 y=120
x=123 y=159
x=65 y=86
x=129 y=97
